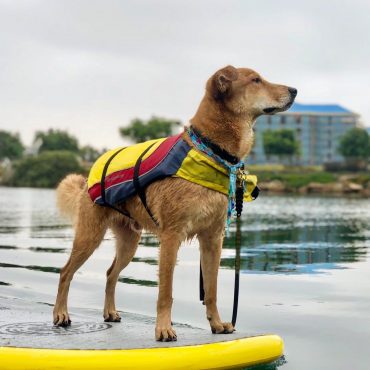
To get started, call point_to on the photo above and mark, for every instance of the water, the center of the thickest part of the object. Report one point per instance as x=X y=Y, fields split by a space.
x=305 y=272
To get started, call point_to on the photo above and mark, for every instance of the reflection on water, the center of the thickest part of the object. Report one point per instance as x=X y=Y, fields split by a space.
x=280 y=234
x=31 y=267
x=149 y=261
x=297 y=244
x=272 y=366
x=137 y=281
x=149 y=240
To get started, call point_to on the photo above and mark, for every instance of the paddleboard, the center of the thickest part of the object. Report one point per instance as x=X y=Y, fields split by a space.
x=28 y=341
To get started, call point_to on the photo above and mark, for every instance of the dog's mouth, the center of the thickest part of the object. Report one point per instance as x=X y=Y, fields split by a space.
x=270 y=110
x=273 y=110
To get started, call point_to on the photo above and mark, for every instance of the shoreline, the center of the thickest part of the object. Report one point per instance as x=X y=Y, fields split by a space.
x=333 y=188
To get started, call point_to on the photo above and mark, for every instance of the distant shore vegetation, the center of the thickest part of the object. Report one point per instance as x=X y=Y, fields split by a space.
x=53 y=155
x=56 y=153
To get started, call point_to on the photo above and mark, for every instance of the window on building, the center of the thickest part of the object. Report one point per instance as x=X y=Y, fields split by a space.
x=298 y=118
x=329 y=143
x=269 y=120
x=283 y=120
x=347 y=120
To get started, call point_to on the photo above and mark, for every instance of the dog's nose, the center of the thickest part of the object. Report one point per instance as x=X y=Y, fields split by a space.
x=292 y=91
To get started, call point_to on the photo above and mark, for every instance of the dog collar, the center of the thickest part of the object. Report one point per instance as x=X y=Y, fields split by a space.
x=222 y=153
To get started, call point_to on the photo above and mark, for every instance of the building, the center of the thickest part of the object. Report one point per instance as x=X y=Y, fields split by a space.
x=318 y=128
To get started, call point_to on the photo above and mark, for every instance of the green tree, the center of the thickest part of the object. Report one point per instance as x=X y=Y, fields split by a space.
x=89 y=154
x=57 y=140
x=155 y=128
x=45 y=170
x=281 y=143
x=355 y=145
x=10 y=145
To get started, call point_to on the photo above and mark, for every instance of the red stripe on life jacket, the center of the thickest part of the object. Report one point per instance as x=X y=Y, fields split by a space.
x=146 y=165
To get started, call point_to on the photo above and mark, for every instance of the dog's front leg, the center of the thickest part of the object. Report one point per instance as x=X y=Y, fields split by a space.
x=169 y=245
x=210 y=254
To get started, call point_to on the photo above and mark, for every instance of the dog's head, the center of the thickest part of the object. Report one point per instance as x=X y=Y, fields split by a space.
x=244 y=92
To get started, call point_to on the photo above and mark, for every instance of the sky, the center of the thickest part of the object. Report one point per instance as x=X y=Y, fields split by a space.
x=90 y=66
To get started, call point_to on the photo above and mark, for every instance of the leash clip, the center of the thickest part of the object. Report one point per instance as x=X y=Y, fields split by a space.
x=242 y=176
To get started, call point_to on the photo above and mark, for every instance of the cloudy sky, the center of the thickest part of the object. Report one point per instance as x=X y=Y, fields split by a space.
x=91 y=66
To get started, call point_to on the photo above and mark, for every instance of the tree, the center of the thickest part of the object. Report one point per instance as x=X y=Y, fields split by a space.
x=89 y=154
x=10 y=145
x=281 y=143
x=155 y=128
x=355 y=145
x=57 y=140
x=45 y=170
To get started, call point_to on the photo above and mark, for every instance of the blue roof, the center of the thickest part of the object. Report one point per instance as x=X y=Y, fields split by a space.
x=318 y=108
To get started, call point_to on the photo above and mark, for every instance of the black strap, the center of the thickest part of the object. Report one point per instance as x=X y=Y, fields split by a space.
x=102 y=185
x=236 y=276
x=255 y=193
x=238 y=237
x=239 y=197
x=224 y=154
x=201 y=286
x=139 y=189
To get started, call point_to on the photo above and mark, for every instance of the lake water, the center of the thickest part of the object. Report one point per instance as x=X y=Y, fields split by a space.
x=305 y=272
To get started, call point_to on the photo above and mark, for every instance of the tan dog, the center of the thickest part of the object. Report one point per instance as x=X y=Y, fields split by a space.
x=234 y=98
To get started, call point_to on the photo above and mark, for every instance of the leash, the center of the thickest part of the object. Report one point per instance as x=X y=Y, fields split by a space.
x=238 y=242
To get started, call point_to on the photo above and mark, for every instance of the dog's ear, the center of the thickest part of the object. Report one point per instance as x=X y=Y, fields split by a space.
x=221 y=81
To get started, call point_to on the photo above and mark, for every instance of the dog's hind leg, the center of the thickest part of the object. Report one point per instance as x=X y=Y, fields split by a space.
x=210 y=254
x=90 y=231
x=127 y=240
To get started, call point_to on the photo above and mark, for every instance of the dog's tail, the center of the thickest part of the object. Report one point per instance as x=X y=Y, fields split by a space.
x=68 y=195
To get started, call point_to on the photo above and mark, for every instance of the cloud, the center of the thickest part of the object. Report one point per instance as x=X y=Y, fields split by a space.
x=91 y=66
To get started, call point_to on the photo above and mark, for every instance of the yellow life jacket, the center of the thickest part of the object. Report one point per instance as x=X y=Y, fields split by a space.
x=112 y=177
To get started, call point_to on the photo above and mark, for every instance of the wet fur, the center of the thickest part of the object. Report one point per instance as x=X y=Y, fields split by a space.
x=226 y=115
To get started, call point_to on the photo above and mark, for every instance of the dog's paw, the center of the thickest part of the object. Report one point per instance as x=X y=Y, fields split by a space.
x=223 y=328
x=62 y=319
x=165 y=334
x=112 y=316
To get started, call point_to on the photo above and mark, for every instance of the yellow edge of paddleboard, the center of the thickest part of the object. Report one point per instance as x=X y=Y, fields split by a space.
x=221 y=355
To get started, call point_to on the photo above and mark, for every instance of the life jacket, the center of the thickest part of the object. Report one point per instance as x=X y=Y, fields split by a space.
x=115 y=176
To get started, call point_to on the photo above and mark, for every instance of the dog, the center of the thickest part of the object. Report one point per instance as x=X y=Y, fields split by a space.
x=234 y=98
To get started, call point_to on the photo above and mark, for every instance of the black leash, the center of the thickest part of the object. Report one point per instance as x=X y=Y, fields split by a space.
x=238 y=242
x=237 y=270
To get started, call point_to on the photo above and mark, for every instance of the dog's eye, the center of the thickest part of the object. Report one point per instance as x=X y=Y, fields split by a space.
x=257 y=80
